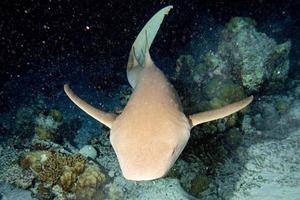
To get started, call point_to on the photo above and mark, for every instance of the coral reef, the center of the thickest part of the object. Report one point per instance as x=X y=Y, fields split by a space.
x=71 y=173
x=53 y=167
x=246 y=61
x=220 y=92
x=252 y=57
x=234 y=138
x=46 y=126
x=56 y=115
x=10 y=172
x=89 y=184
x=33 y=160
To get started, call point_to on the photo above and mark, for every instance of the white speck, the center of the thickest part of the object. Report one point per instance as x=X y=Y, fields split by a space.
x=43 y=158
x=111 y=173
x=46 y=27
x=87 y=28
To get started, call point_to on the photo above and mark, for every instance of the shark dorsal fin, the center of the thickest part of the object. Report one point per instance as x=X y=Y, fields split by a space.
x=148 y=62
x=211 y=115
x=105 y=118
x=142 y=44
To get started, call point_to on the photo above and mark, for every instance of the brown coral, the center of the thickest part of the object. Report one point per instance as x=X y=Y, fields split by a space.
x=43 y=133
x=56 y=115
x=88 y=184
x=55 y=165
x=33 y=160
x=67 y=179
x=70 y=172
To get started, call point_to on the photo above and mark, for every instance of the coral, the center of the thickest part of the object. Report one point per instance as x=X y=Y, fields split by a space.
x=282 y=105
x=184 y=65
x=212 y=61
x=248 y=57
x=278 y=62
x=56 y=115
x=199 y=184
x=11 y=172
x=43 y=133
x=236 y=24
x=54 y=167
x=231 y=120
x=220 y=92
x=43 y=191
x=67 y=179
x=189 y=75
x=252 y=57
x=33 y=160
x=89 y=184
x=234 y=137
x=47 y=126
x=71 y=172
x=46 y=121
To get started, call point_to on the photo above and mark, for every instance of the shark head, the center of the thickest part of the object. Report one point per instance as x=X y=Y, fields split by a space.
x=150 y=159
x=149 y=135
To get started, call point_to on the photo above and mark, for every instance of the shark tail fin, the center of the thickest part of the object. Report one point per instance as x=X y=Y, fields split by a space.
x=105 y=118
x=207 y=116
x=139 y=55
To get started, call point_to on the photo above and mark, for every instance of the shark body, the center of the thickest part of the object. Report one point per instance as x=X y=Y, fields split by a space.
x=152 y=131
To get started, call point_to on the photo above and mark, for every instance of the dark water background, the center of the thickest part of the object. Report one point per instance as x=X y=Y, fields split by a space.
x=82 y=37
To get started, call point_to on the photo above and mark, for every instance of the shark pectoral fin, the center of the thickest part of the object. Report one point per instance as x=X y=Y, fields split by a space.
x=105 y=118
x=207 y=116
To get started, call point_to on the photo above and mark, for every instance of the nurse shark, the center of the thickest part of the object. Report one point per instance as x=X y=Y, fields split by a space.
x=152 y=130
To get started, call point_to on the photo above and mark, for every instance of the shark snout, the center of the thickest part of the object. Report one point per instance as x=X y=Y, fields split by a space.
x=144 y=173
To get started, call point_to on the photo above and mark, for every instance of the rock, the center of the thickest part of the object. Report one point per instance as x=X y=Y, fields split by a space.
x=252 y=57
x=88 y=151
x=8 y=192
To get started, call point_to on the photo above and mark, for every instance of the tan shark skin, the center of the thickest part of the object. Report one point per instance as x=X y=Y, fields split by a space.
x=152 y=131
